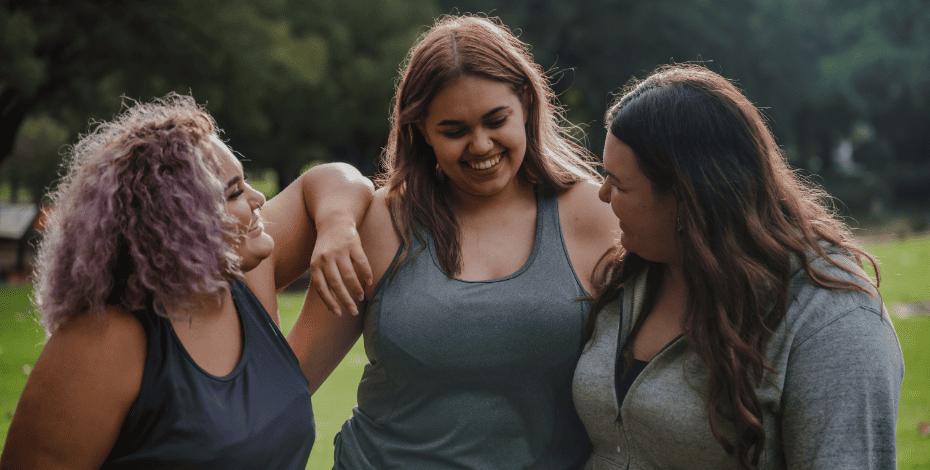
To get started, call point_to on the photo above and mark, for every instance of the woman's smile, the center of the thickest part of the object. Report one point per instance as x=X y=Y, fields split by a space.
x=484 y=164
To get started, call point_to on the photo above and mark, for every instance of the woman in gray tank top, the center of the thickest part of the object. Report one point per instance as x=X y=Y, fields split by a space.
x=483 y=238
x=156 y=278
x=736 y=327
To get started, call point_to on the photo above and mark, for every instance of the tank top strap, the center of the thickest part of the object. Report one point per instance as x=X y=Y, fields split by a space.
x=259 y=328
x=553 y=254
x=547 y=207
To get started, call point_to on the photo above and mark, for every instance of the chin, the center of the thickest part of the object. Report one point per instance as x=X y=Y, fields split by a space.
x=253 y=252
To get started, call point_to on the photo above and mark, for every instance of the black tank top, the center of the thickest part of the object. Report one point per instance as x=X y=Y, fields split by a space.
x=257 y=416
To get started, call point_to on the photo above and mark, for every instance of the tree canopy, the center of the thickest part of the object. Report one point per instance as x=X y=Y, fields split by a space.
x=844 y=83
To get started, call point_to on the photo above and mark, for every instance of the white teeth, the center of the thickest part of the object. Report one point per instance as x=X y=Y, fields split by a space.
x=485 y=164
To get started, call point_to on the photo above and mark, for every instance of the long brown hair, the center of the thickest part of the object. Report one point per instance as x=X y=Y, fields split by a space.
x=454 y=47
x=744 y=217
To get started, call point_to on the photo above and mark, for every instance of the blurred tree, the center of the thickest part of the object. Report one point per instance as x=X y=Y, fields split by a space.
x=341 y=111
x=297 y=81
x=290 y=81
x=34 y=161
x=880 y=67
x=73 y=60
x=593 y=48
x=815 y=68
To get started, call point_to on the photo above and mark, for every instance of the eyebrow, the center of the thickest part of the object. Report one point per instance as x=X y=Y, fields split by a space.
x=233 y=181
x=453 y=122
x=615 y=177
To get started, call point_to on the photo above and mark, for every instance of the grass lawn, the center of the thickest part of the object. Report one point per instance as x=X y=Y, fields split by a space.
x=905 y=278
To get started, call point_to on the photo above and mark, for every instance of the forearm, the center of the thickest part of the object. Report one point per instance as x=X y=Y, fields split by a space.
x=334 y=193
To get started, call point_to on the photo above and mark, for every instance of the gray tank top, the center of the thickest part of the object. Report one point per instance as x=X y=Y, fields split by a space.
x=466 y=374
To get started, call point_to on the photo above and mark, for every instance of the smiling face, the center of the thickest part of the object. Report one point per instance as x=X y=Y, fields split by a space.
x=243 y=204
x=476 y=128
x=648 y=219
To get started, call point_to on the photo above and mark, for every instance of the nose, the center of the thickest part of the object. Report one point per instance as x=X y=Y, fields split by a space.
x=481 y=143
x=604 y=192
x=256 y=198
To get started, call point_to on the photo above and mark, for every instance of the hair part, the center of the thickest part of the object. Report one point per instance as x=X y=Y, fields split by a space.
x=747 y=221
x=139 y=218
x=457 y=46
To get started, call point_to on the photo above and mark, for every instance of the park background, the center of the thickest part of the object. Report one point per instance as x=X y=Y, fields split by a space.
x=845 y=85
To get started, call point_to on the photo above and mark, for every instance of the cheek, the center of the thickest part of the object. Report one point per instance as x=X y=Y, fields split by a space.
x=447 y=151
x=240 y=212
x=616 y=202
x=518 y=138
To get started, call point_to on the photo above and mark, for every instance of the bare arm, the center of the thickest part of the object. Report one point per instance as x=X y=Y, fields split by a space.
x=78 y=395
x=321 y=339
x=313 y=223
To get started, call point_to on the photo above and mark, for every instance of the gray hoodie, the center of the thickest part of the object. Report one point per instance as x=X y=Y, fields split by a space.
x=832 y=401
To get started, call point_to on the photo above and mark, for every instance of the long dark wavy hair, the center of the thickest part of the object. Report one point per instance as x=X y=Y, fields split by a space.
x=744 y=216
x=457 y=46
x=139 y=218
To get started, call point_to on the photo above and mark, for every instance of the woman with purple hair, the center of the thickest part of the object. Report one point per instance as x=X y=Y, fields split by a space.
x=156 y=279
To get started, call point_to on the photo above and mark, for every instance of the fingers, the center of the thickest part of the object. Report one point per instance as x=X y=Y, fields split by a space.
x=349 y=289
x=362 y=268
x=336 y=277
x=318 y=281
x=340 y=270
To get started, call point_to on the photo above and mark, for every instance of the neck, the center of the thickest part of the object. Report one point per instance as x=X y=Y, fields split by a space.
x=517 y=193
x=201 y=306
x=674 y=281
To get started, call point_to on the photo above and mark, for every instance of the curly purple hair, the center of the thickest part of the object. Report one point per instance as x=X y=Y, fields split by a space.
x=139 y=218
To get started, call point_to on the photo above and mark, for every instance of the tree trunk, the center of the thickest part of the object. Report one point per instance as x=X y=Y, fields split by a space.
x=13 y=109
x=286 y=174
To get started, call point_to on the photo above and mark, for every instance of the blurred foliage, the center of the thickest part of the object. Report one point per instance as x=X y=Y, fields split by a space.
x=289 y=81
x=823 y=71
x=300 y=81
x=34 y=162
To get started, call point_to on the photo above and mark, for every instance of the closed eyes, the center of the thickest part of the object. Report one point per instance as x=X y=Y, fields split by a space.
x=459 y=132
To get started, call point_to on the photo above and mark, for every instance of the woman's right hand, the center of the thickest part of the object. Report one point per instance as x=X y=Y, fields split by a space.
x=338 y=266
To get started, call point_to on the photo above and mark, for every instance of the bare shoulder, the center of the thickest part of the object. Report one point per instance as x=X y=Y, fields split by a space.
x=589 y=228
x=113 y=343
x=581 y=211
x=379 y=239
x=79 y=393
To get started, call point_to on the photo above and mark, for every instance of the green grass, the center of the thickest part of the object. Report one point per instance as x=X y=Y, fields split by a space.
x=21 y=341
x=914 y=407
x=333 y=402
x=905 y=269
x=905 y=278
